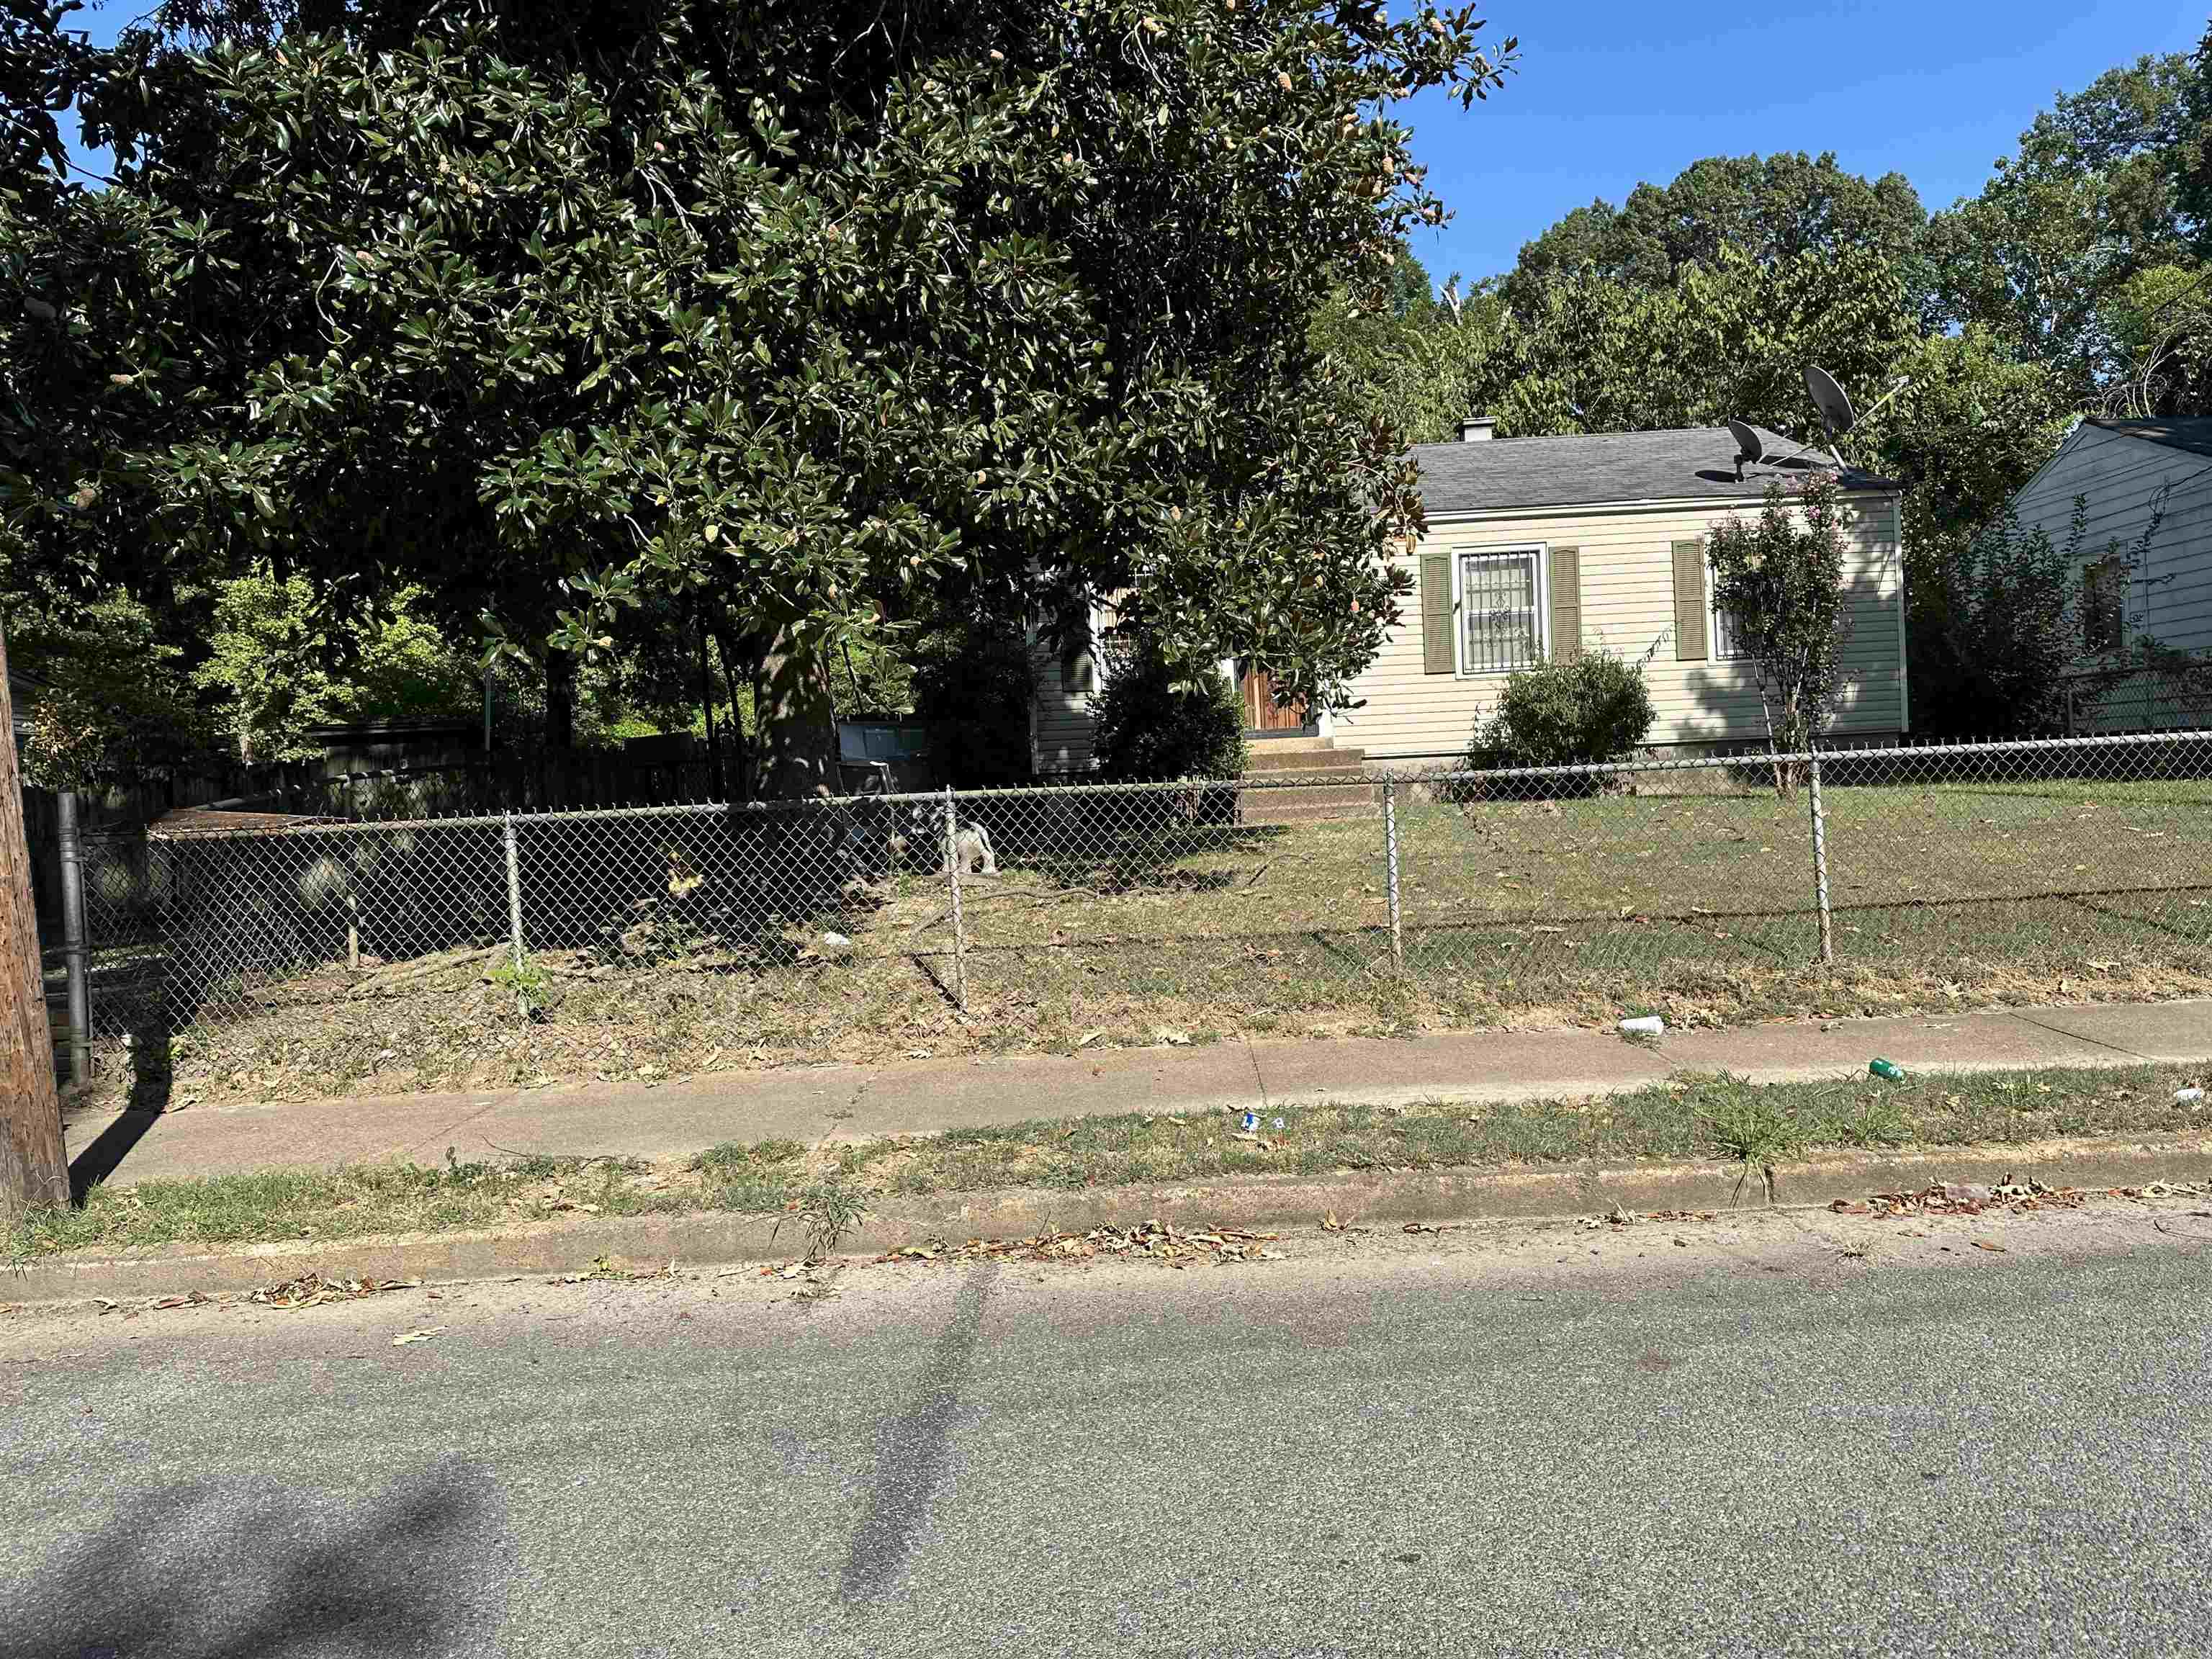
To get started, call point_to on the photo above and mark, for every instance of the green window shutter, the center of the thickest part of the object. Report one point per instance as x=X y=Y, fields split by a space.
x=1689 y=644
x=1436 y=656
x=1566 y=603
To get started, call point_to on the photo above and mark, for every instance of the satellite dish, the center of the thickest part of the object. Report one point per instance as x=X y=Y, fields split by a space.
x=1830 y=398
x=1749 y=451
x=1836 y=412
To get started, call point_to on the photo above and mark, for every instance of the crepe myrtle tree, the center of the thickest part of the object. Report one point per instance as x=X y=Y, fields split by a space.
x=1780 y=581
x=551 y=309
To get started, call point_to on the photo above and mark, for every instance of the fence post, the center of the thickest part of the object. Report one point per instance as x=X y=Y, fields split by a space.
x=1820 y=867
x=1390 y=857
x=74 y=955
x=952 y=863
x=514 y=887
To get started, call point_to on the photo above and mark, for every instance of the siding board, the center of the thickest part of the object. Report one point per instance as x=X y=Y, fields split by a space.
x=2122 y=478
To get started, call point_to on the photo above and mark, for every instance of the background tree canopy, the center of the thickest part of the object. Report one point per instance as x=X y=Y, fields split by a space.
x=1771 y=210
x=2074 y=283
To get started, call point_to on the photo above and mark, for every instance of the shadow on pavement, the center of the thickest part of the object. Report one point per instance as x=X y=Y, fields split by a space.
x=108 y=1150
x=913 y=1452
x=215 y=1570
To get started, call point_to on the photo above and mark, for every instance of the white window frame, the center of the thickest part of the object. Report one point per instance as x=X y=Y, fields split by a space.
x=1541 y=553
x=1713 y=651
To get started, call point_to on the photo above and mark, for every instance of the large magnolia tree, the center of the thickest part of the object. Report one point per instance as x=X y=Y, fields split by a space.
x=808 y=316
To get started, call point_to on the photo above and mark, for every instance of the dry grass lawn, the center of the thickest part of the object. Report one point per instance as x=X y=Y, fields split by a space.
x=1695 y=906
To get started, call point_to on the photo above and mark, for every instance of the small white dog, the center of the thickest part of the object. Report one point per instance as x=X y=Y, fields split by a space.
x=971 y=844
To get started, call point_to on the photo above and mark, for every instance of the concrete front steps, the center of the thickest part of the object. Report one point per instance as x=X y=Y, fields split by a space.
x=1332 y=783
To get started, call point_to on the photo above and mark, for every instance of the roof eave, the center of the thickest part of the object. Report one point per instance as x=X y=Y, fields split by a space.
x=1868 y=486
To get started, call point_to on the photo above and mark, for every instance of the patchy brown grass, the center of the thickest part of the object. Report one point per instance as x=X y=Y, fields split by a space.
x=813 y=1195
x=1694 y=906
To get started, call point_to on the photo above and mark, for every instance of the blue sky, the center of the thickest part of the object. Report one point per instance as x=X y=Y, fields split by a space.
x=1614 y=92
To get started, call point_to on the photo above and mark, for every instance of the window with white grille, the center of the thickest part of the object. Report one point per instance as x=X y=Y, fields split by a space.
x=1501 y=609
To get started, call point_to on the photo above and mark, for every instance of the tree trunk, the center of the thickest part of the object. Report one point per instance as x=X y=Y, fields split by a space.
x=560 y=702
x=34 y=1162
x=707 y=703
x=795 y=751
x=738 y=776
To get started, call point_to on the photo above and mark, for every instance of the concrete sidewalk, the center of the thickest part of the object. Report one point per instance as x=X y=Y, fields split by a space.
x=674 y=1120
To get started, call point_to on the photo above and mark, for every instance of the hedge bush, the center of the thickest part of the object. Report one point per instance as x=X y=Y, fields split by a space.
x=1593 y=708
x=1156 y=725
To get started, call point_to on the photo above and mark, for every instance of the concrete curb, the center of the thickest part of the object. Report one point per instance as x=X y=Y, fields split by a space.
x=1260 y=1202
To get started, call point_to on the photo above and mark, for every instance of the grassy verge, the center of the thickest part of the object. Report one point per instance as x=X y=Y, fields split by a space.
x=816 y=1197
x=356 y=1200
x=1706 y=1117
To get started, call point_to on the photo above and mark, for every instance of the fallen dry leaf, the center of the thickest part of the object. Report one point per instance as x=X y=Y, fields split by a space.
x=1951 y=1198
x=311 y=1289
x=1156 y=1239
x=1984 y=1244
x=1329 y=1224
x=404 y=1337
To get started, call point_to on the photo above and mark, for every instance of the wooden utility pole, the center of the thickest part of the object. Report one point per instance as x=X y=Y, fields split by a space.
x=34 y=1166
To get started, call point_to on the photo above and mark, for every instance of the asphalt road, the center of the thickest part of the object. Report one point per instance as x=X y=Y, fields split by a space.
x=1548 y=1440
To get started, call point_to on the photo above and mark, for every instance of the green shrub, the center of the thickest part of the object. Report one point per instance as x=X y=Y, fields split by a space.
x=1595 y=708
x=972 y=686
x=1156 y=725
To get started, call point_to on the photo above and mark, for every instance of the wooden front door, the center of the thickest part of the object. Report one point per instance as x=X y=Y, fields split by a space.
x=1261 y=713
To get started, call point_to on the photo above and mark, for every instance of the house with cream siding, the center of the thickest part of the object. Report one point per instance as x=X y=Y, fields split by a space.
x=1544 y=548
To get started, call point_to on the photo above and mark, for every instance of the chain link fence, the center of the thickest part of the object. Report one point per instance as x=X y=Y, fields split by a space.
x=1057 y=917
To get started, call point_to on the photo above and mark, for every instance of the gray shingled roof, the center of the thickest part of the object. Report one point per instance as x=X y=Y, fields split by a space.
x=1583 y=470
x=2194 y=435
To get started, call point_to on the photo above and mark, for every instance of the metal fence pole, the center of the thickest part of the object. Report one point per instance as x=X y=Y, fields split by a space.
x=1820 y=867
x=952 y=863
x=1390 y=856
x=514 y=887
x=74 y=953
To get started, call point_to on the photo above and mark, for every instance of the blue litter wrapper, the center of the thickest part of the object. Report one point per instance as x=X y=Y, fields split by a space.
x=1251 y=1122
